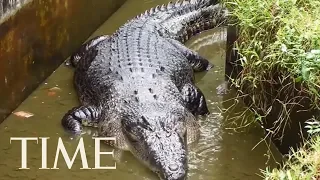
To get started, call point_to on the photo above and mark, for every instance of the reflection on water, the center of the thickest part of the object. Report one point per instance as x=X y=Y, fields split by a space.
x=220 y=153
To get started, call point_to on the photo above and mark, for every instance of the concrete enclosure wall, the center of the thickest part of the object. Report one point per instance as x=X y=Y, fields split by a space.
x=36 y=36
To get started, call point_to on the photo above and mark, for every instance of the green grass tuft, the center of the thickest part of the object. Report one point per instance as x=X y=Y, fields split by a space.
x=279 y=47
x=279 y=34
x=303 y=164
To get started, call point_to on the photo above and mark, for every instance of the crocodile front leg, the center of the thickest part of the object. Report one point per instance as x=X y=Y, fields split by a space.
x=80 y=116
x=197 y=62
x=192 y=131
x=194 y=100
x=111 y=127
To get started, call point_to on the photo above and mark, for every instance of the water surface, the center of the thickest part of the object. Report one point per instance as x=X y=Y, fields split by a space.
x=222 y=153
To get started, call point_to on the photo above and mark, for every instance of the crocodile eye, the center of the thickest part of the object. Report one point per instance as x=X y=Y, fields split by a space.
x=180 y=129
x=132 y=137
x=145 y=124
x=130 y=133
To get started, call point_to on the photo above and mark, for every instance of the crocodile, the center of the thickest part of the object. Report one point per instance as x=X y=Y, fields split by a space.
x=138 y=84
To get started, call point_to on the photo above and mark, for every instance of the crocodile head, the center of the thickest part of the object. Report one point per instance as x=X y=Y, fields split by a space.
x=158 y=139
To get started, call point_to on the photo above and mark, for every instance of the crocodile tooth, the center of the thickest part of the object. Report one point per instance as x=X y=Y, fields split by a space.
x=192 y=8
x=146 y=12
x=157 y=8
x=195 y=1
x=177 y=4
x=204 y=2
x=163 y=7
x=185 y=2
x=151 y=10
x=170 y=5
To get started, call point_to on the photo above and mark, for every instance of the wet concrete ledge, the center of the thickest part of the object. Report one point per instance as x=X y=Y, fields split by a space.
x=291 y=134
x=36 y=36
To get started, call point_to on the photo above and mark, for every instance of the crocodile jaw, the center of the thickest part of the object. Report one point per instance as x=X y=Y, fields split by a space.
x=163 y=152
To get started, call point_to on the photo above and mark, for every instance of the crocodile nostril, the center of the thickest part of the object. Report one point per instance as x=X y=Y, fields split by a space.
x=173 y=167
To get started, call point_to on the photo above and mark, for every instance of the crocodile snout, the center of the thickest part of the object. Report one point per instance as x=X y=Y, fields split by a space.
x=173 y=167
x=177 y=174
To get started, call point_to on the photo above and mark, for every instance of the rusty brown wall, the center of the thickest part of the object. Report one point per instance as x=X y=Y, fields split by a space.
x=39 y=37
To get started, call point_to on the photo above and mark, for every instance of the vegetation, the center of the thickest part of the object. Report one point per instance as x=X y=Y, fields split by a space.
x=303 y=164
x=279 y=34
x=279 y=48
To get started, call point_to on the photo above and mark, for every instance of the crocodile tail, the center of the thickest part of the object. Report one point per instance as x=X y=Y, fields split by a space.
x=84 y=48
x=183 y=19
x=195 y=17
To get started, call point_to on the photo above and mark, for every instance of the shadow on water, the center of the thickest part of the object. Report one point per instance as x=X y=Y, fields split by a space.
x=220 y=154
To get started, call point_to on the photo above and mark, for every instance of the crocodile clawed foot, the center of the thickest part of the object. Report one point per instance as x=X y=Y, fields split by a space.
x=210 y=66
x=223 y=88
x=67 y=62
x=195 y=100
x=76 y=118
x=71 y=124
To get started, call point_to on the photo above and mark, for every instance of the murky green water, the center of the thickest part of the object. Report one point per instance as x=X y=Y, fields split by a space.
x=221 y=154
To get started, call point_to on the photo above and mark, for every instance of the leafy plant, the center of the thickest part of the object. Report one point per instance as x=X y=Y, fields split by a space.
x=279 y=47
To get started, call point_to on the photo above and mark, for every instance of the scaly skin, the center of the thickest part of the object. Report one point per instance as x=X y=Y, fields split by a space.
x=138 y=84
